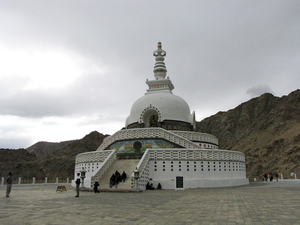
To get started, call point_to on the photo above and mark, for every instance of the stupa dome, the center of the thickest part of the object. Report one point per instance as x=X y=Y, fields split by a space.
x=167 y=105
x=159 y=107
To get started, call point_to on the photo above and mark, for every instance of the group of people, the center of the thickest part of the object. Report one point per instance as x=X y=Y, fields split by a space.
x=116 y=178
x=149 y=186
x=269 y=177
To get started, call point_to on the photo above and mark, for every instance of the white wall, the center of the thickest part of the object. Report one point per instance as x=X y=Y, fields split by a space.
x=171 y=183
x=91 y=169
x=197 y=173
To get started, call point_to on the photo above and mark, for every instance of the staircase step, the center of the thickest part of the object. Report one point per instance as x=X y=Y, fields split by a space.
x=114 y=189
x=127 y=165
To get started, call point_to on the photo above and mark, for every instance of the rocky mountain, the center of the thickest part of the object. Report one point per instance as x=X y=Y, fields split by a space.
x=266 y=129
x=59 y=163
x=20 y=162
x=43 y=147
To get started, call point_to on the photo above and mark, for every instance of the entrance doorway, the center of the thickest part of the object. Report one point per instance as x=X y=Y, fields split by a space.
x=179 y=182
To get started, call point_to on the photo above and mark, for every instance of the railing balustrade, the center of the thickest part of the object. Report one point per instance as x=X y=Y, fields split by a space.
x=107 y=162
x=179 y=137
x=33 y=180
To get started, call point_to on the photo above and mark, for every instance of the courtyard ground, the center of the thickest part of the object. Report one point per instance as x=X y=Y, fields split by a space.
x=257 y=203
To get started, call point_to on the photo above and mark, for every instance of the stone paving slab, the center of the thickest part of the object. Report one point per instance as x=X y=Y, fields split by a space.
x=257 y=203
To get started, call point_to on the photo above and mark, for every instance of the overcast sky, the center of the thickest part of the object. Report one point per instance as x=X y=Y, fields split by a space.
x=70 y=67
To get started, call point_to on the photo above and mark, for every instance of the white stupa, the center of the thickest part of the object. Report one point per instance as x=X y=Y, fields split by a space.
x=159 y=103
x=160 y=145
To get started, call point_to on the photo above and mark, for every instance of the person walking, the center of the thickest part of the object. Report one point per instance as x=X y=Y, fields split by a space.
x=8 y=184
x=77 y=184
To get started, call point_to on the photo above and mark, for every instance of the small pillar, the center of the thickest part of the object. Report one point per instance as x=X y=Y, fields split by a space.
x=19 y=180
x=281 y=176
x=254 y=179
x=295 y=176
x=46 y=179
x=33 y=180
x=67 y=180
x=56 y=180
x=2 y=180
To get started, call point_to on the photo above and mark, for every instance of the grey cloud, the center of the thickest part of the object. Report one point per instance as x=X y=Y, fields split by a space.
x=215 y=51
x=32 y=104
x=17 y=140
x=89 y=94
x=15 y=143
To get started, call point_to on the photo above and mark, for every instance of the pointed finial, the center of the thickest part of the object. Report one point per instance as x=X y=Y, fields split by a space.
x=159 y=45
x=159 y=67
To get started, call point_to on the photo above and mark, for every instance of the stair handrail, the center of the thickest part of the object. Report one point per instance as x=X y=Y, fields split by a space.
x=106 y=164
x=144 y=177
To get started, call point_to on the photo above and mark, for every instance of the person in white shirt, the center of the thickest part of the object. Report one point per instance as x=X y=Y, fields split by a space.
x=77 y=184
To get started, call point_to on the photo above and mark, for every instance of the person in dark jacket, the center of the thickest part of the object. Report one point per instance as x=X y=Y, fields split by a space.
x=96 y=185
x=124 y=176
x=159 y=186
x=112 y=180
x=9 y=180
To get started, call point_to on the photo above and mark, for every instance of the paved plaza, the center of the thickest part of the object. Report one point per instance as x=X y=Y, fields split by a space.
x=258 y=203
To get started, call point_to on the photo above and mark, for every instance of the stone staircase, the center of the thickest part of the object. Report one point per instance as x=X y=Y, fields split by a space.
x=127 y=165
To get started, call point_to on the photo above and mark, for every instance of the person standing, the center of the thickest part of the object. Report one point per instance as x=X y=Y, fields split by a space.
x=77 y=184
x=96 y=185
x=266 y=177
x=124 y=176
x=8 y=184
x=276 y=175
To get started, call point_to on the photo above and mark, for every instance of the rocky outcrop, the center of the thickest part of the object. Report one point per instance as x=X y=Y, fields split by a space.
x=59 y=163
x=20 y=162
x=266 y=129
x=43 y=147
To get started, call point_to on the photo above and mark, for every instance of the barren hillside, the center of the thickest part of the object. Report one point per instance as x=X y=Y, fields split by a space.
x=266 y=129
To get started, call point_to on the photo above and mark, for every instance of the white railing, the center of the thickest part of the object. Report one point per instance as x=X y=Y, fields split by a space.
x=197 y=136
x=91 y=157
x=196 y=154
x=107 y=162
x=144 y=177
x=147 y=133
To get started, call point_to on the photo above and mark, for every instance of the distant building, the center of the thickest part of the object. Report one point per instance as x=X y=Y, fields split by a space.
x=159 y=141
